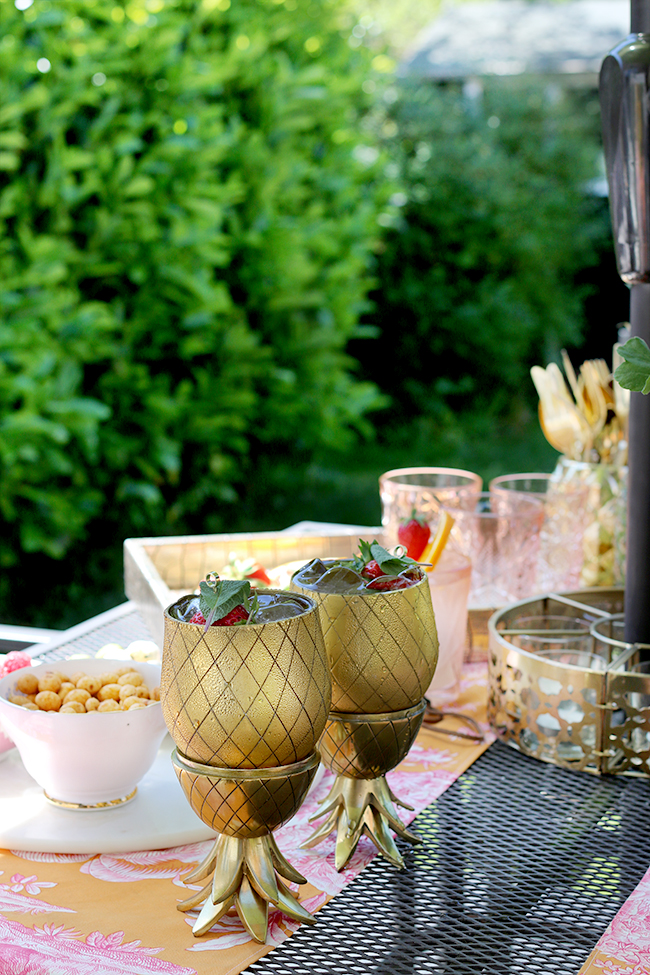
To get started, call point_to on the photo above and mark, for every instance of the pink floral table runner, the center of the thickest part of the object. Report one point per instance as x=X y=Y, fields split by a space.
x=63 y=914
x=624 y=948
x=116 y=914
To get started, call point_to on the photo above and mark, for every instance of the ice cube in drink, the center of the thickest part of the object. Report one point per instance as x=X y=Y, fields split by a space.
x=272 y=606
x=312 y=572
x=275 y=606
x=340 y=578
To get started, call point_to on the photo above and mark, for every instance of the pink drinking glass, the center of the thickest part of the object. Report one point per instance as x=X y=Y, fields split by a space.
x=500 y=533
x=449 y=582
x=423 y=490
x=560 y=557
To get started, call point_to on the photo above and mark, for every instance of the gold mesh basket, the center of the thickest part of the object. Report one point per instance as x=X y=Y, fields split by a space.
x=573 y=693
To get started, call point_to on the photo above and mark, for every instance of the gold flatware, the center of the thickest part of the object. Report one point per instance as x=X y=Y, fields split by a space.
x=563 y=424
x=587 y=417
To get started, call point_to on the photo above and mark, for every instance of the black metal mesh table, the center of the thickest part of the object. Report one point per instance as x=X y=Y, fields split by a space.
x=522 y=867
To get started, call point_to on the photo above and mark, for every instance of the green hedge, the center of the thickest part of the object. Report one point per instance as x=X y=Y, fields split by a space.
x=478 y=276
x=186 y=230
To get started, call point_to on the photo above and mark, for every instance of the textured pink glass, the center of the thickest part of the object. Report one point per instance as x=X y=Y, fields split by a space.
x=449 y=583
x=561 y=556
x=500 y=533
x=423 y=490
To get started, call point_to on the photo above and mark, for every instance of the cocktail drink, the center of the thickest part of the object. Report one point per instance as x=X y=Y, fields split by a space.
x=379 y=629
x=449 y=583
x=245 y=692
x=411 y=499
x=382 y=646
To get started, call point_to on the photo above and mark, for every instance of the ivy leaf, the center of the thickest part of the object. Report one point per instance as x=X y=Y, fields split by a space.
x=217 y=600
x=634 y=373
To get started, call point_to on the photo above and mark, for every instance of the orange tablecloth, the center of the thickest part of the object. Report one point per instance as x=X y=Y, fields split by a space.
x=77 y=915
x=80 y=915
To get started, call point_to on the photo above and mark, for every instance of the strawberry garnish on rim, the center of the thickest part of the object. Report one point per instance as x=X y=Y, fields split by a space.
x=386 y=571
x=390 y=583
x=237 y=615
x=225 y=602
x=372 y=570
x=414 y=533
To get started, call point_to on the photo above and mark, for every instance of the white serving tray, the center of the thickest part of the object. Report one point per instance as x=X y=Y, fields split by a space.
x=157 y=818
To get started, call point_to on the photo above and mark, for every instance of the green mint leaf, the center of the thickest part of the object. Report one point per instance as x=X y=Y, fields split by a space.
x=358 y=563
x=365 y=550
x=390 y=565
x=634 y=373
x=216 y=601
x=252 y=605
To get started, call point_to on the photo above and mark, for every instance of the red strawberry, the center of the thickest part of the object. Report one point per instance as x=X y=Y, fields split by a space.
x=390 y=583
x=258 y=572
x=14 y=660
x=237 y=615
x=413 y=535
x=372 y=570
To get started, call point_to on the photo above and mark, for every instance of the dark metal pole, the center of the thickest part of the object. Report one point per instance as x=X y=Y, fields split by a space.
x=637 y=588
x=625 y=105
x=637 y=583
x=640 y=17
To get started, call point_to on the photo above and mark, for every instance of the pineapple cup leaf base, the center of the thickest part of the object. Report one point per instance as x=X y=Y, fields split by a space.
x=245 y=872
x=360 y=749
x=355 y=807
x=248 y=875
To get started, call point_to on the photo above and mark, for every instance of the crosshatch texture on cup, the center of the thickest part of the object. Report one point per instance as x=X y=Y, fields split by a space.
x=366 y=749
x=382 y=647
x=245 y=696
x=249 y=808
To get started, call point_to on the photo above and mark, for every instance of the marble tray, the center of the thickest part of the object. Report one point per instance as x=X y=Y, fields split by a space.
x=158 y=817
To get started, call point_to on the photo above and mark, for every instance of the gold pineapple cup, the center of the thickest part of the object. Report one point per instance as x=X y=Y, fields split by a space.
x=383 y=650
x=245 y=706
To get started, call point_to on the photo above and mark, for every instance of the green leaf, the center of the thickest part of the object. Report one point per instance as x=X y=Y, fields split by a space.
x=634 y=373
x=365 y=550
x=175 y=309
x=9 y=161
x=218 y=600
x=252 y=606
x=391 y=565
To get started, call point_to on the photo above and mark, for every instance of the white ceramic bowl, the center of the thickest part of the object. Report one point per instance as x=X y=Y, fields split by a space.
x=85 y=759
x=6 y=744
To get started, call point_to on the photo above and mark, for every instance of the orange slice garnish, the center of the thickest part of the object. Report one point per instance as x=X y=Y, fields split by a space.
x=436 y=546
